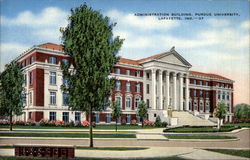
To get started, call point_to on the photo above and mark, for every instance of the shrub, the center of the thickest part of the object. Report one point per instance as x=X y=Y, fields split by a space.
x=44 y=122
x=71 y=123
x=21 y=123
x=148 y=123
x=158 y=121
x=4 y=122
x=85 y=123
x=164 y=124
x=124 y=122
x=133 y=122
x=30 y=123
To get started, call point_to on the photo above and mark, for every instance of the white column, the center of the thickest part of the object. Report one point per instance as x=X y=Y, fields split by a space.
x=181 y=92
x=187 y=93
x=174 y=96
x=153 y=89
x=144 y=85
x=167 y=88
x=160 y=89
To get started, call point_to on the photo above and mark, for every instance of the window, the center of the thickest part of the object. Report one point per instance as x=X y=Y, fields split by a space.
x=128 y=102
x=148 y=76
x=138 y=87
x=31 y=59
x=25 y=79
x=201 y=93
x=128 y=118
x=128 y=72
x=222 y=85
x=117 y=85
x=207 y=94
x=52 y=116
x=31 y=97
x=219 y=95
x=119 y=101
x=137 y=101
x=223 y=95
x=117 y=71
x=52 y=60
x=30 y=115
x=53 y=98
x=228 y=108
x=97 y=117
x=52 y=79
x=65 y=99
x=66 y=117
x=23 y=64
x=65 y=61
x=201 y=83
x=27 y=62
x=207 y=84
x=128 y=86
x=31 y=78
x=77 y=117
x=108 y=117
x=194 y=81
x=228 y=96
x=147 y=88
x=195 y=94
x=24 y=98
x=138 y=73
x=148 y=103
x=138 y=119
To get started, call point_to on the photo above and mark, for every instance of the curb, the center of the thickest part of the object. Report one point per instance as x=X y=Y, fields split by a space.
x=68 y=138
x=205 y=140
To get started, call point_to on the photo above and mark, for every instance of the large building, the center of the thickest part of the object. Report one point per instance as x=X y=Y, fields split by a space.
x=164 y=81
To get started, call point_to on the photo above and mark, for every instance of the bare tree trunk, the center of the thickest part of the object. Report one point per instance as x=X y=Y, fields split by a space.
x=116 y=124
x=142 y=123
x=90 y=128
x=11 y=121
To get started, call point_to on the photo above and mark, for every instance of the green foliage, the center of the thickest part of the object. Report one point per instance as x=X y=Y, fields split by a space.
x=11 y=80
x=220 y=111
x=88 y=39
x=242 y=111
x=116 y=110
x=158 y=121
x=142 y=111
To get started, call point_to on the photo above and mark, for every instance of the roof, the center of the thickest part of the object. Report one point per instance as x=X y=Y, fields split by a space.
x=209 y=75
x=52 y=46
x=151 y=57
x=129 y=61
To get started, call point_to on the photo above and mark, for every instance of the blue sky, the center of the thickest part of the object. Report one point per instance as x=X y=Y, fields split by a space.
x=217 y=44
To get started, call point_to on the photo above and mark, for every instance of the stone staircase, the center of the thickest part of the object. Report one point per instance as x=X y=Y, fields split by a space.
x=186 y=118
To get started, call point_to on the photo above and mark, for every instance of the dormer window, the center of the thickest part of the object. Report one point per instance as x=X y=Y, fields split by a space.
x=52 y=60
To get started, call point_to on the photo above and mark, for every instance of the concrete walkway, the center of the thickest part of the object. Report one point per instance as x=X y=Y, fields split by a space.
x=153 y=152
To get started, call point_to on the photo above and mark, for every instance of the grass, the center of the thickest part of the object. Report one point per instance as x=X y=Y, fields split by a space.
x=237 y=124
x=67 y=135
x=202 y=129
x=24 y=158
x=112 y=148
x=241 y=153
x=198 y=136
x=108 y=127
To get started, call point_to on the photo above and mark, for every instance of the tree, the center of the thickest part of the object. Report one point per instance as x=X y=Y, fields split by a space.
x=220 y=112
x=11 y=80
x=158 y=121
x=89 y=41
x=142 y=111
x=116 y=112
x=242 y=111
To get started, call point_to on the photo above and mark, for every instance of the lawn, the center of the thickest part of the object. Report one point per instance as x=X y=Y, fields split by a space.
x=67 y=135
x=202 y=129
x=24 y=158
x=196 y=136
x=241 y=153
x=103 y=127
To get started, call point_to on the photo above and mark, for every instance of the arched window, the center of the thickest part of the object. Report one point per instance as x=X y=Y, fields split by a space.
x=138 y=87
x=128 y=101
x=119 y=100
x=118 y=85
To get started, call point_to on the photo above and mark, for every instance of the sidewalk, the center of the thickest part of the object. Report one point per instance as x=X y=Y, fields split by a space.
x=153 y=152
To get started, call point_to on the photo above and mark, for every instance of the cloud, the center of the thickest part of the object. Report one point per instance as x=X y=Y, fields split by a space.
x=48 y=17
x=218 y=22
x=9 y=51
x=43 y=26
x=140 y=22
x=245 y=25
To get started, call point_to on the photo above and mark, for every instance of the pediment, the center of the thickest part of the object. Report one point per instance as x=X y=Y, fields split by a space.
x=173 y=58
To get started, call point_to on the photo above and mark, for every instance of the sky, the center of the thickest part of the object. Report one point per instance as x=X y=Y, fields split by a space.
x=212 y=44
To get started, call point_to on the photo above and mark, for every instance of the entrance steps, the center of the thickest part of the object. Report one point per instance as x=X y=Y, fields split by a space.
x=186 y=118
